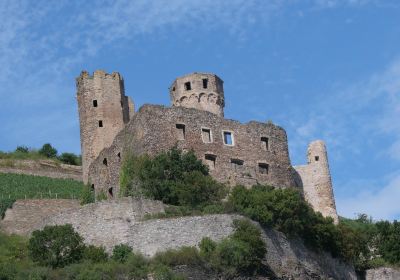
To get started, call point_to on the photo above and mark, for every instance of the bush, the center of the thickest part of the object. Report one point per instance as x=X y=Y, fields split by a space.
x=182 y=256
x=48 y=151
x=22 y=149
x=56 y=246
x=121 y=253
x=174 y=177
x=95 y=254
x=88 y=195
x=5 y=203
x=241 y=253
x=69 y=158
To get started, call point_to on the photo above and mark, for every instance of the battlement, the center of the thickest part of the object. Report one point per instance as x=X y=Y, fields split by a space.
x=99 y=74
x=202 y=91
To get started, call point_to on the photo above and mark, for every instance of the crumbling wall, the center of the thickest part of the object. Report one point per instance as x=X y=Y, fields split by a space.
x=315 y=180
x=154 y=129
x=103 y=111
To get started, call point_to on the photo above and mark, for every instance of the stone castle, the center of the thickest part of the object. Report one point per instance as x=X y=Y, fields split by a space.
x=236 y=153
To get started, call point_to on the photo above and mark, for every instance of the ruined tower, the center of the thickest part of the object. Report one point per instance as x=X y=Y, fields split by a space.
x=315 y=178
x=103 y=112
x=201 y=91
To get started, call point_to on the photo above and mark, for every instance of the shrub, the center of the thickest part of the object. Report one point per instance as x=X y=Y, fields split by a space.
x=56 y=246
x=5 y=203
x=95 y=254
x=22 y=149
x=101 y=196
x=48 y=151
x=88 y=195
x=121 y=253
x=69 y=158
x=174 y=177
x=184 y=255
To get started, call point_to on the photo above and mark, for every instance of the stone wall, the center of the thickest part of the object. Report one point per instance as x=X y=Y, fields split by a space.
x=201 y=91
x=315 y=180
x=28 y=215
x=154 y=129
x=383 y=273
x=45 y=168
x=103 y=111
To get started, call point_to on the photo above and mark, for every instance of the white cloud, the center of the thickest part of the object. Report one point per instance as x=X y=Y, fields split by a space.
x=380 y=204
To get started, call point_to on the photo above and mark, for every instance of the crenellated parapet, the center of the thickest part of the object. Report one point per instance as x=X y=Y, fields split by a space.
x=201 y=91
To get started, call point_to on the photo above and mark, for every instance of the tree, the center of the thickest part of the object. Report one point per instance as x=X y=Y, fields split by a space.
x=56 y=246
x=48 y=151
x=22 y=149
x=69 y=158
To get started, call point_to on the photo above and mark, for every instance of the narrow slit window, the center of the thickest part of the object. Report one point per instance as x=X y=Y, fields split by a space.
x=316 y=158
x=228 y=138
x=119 y=156
x=180 y=130
x=105 y=161
x=100 y=123
x=237 y=165
x=110 y=192
x=210 y=161
x=92 y=187
x=94 y=103
x=205 y=83
x=265 y=143
x=188 y=86
x=263 y=168
x=206 y=135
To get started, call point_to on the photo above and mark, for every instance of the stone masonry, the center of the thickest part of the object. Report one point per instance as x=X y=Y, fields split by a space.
x=236 y=153
x=103 y=111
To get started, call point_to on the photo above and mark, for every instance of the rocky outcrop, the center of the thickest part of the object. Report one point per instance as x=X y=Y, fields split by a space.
x=383 y=273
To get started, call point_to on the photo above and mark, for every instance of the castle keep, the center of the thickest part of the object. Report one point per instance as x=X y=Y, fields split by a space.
x=236 y=153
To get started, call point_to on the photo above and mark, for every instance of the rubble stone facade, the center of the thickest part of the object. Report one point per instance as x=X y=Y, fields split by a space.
x=236 y=153
x=103 y=112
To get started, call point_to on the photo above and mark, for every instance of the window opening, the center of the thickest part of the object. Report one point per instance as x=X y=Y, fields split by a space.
x=228 y=138
x=263 y=168
x=94 y=103
x=265 y=143
x=100 y=123
x=92 y=187
x=180 y=129
x=237 y=164
x=206 y=135
x=210 y=161
x=110 y=192
x=316 y=158
x=188 y=86
x=105 y=161
x=205 y=83
x=119 y=156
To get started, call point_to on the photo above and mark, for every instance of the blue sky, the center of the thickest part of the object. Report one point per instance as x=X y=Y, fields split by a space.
x=322 y=69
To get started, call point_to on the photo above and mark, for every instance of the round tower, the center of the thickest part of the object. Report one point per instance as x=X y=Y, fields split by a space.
x=201 y=91
x=320 y=193
x=103 y=111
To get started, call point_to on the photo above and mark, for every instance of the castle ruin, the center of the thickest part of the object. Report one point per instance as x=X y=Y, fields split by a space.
x=236 y=153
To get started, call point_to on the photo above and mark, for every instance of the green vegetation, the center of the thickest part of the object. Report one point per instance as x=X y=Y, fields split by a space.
x=19 y=186
x=88 y=195
x=174 y=177
x=4 y=205
x=57 y=252
x=56 y=246
x=47 y=151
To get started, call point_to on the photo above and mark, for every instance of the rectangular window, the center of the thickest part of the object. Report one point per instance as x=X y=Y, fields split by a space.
x=265 y=143
x=105 y=161
x=188 y=86
x=180 y=130
x=94 y=103
x=206 y=135
x=205 y=83
x=316 y=158
x=237 y=164
x=263 y=168
x=100 y=123
x=228 y=138
x=210 y=161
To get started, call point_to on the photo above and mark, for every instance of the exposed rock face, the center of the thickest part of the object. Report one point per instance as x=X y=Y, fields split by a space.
x=109 y=223
x=383 y=273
